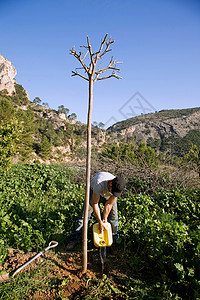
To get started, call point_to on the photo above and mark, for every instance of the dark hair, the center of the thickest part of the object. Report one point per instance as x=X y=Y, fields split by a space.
x=118 y=184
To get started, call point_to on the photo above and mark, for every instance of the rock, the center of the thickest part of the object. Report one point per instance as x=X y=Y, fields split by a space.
x=157 y=126
x=7 y=74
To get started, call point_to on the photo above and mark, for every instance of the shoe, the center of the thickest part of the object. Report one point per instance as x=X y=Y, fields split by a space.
x=71 y=245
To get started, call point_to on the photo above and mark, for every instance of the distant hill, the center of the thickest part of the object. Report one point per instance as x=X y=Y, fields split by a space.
x=47 y=134
x=55 y=135
x=174 y=129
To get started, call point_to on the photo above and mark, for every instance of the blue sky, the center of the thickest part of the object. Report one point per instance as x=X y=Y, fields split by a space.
x=158 y=42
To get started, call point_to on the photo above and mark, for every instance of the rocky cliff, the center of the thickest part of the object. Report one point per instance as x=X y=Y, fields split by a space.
x=7 y=74
x=163 y=124
x=159 y=130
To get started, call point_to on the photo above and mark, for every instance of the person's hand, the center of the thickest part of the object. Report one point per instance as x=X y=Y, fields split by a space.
x=102 y=226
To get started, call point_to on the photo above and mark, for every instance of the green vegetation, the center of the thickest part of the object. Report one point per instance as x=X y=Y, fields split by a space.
x=25 y=142
x=37 y=205
x=158 y=116
x=21 y=122
x=159 y=232
x=9 y=136
x=40 y=280
x=140 y=154
x=7 y=110
x=44 y=148
x=166 y=142
x=158 y=213
x=62 y=109
x=176 y=146
x=25 y=285
x=39 y=131
x=20 y=95
x=42 y=129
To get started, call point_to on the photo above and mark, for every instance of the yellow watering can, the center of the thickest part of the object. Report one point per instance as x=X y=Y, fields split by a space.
x=102 y=239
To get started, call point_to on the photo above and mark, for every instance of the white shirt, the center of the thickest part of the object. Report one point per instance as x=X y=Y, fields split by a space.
x=99 y=184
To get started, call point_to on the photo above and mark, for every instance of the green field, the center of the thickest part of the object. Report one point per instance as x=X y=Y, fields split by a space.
x=159 y=232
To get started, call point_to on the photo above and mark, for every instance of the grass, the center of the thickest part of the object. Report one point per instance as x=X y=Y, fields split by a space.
x=24 y=285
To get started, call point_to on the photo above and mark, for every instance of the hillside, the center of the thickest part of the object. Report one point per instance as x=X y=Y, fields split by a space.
x=179 y=128
x=46 y=135
x=54 y=136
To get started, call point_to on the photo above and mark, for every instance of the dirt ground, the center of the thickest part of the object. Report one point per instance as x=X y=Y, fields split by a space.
x=64 y=268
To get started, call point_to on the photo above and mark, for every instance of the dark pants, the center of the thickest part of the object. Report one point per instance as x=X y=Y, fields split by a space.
x=112 y=218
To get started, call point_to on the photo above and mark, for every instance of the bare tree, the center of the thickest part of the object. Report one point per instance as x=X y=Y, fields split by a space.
x=92 y=72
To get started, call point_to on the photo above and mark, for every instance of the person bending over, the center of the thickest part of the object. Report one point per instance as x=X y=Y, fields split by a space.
x=104 y=188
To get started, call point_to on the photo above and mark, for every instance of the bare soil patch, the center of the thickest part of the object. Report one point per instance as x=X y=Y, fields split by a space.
x=65 y=280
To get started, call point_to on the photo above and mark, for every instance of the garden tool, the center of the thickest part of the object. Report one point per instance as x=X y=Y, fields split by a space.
x=7 y=276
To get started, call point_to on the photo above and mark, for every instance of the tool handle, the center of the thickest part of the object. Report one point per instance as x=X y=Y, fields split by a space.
x=52 y=244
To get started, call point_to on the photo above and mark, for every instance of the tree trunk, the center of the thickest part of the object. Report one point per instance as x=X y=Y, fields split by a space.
x=88 y=163
x=92 y=76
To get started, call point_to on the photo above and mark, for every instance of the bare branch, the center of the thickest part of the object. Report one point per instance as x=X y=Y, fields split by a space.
x=94 y=57
x=78 y=56
x=89 y=46
x=92 y=65
x=104 y=38
x=106 y=77
x=108 y=43
x=109 y=67
x=85 y=55
x=101 y=46
x=78 y=74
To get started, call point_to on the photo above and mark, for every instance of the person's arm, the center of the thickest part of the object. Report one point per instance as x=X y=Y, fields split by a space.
x=95 y=200
x=108 y=207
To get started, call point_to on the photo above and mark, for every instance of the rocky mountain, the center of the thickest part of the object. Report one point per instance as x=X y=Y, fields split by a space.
x=7 y=74
x=163 y=127
x=166 y=123
x=159 y=130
